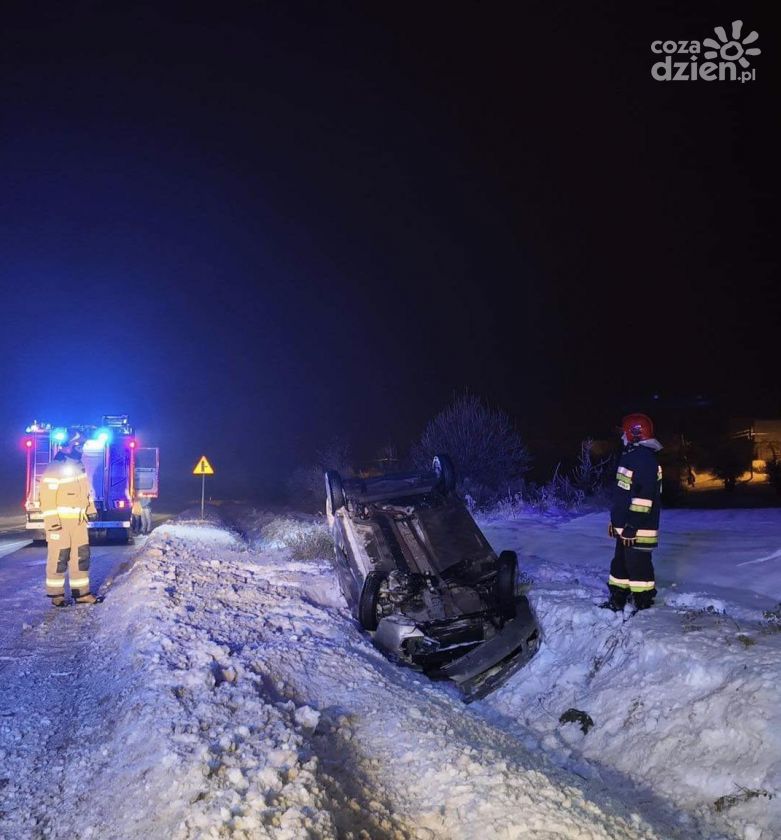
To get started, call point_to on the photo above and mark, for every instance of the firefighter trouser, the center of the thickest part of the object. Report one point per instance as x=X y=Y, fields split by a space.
x=632 y=572
x=146 y=520
x=67 y=550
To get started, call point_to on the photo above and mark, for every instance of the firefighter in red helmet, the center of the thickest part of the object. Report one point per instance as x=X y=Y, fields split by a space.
x=634 y=516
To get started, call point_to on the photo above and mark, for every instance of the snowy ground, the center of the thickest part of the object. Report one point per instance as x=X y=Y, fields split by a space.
x=685 y=698
x=222 y=690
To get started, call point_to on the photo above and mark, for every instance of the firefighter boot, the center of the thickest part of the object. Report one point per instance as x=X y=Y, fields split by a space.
x=58 y=600
x=644 y=600
x=89 y=598
x=612 y=604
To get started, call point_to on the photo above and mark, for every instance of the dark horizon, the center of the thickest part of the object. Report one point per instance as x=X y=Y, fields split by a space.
x=259 y=230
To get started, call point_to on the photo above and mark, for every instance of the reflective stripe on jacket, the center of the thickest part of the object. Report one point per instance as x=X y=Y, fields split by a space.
x=638 y=492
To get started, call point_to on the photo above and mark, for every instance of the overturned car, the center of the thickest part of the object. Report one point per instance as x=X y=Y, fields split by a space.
x=418 y=573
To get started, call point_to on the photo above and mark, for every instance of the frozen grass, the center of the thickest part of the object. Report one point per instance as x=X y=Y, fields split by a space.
x=558 y=498
x=306 y=540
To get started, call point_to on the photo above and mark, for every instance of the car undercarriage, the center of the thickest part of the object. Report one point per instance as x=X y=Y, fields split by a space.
x=418 y=573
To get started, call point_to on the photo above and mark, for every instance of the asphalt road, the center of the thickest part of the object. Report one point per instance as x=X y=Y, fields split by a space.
x=22 y=572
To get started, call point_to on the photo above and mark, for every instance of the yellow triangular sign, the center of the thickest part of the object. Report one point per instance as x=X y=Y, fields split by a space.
x=203 y=467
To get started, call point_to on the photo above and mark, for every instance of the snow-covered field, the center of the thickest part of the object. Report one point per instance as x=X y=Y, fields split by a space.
x=686 y=697
x=222 y=690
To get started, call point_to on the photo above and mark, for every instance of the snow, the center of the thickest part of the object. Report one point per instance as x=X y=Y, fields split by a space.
x=685 y=697
x=223 y=690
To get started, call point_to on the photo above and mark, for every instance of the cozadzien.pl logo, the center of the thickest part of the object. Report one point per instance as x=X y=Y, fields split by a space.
x=727 y=59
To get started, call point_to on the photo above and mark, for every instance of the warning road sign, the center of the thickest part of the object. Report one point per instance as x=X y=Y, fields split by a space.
x=203 y=467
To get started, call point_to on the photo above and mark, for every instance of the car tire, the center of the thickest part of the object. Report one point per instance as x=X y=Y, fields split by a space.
x=504 y=586
x=334 y=490
x=445 y=473
x=370 y=595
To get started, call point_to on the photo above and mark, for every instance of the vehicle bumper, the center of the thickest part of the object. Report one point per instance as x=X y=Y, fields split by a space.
x=460 y=651
x=490 y=664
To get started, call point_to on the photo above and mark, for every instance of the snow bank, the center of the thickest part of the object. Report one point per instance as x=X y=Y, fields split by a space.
x=685 y=698
x=222 y=689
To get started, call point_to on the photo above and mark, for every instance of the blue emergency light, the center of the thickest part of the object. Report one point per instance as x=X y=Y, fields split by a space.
x=103 y=436
x=59 y=435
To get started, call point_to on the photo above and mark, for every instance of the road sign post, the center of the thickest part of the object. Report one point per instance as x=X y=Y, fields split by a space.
x=203 y=468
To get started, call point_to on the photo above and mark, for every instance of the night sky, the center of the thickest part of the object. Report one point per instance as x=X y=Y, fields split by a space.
x=254 y=226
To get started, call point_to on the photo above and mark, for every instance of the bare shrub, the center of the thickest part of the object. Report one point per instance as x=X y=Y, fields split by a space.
x=774 y=469
x=729 y=459
x=486 y=449
x=585 y=486
x=559 y=495
x=589 y=475
x=306 y=484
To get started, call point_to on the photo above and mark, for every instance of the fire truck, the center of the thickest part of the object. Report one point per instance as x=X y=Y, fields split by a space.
x=116 y=465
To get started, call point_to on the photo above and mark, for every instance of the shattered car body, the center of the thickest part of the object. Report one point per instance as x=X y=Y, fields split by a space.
x=417 y=572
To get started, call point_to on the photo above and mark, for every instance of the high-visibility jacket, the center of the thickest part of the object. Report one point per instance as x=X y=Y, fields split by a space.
x=638 y=493
x=65 y=492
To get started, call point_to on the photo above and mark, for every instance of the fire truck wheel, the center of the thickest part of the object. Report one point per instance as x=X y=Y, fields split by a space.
x=370 y=596
x=504 y=587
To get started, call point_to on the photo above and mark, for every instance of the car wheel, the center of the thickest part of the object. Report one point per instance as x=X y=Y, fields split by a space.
x=506 y=573
x=334 y=490
x=445 y=473
x=370 y=596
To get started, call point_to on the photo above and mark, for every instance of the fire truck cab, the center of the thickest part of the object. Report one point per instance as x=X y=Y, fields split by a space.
x=116 y=466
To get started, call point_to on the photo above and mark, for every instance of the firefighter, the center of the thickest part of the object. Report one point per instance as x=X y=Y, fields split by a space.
x=146 y=514
x=66 y=501
x=135 y=515
x=634 y=516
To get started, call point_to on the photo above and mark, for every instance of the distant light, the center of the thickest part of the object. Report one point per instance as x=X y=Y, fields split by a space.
x=59 y=435
x=132 y=444
x=28 y=443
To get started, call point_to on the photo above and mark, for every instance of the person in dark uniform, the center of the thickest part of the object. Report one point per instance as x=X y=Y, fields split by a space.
x=634 y=516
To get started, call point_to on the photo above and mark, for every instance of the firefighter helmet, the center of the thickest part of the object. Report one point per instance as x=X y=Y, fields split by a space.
x=75 y=437
x=637 y=427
